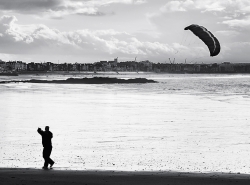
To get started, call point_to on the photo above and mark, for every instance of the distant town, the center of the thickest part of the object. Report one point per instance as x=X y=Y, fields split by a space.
x=126 y=66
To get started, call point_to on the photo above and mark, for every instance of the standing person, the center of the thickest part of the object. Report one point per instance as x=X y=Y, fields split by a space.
x=47 y=146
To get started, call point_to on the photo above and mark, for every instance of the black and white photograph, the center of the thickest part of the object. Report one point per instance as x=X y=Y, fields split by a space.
x=124 y=92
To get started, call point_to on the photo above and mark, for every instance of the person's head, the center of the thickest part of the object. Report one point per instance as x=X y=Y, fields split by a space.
x=47 y=128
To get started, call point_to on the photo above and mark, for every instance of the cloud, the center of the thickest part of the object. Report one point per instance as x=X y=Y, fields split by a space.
x=228 y=33
x=242 y=49
x=8 y=27
x=29 y=5
x=208 y=5
x=244 y=22
x=60 y=8
x=175 y=6
x=40 y=39
x=224 y=15
x=229 y=6
x=222 y=5
x=186 y=5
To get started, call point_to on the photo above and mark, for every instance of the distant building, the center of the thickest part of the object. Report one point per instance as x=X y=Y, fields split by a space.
x=16 y=66
x=2 y=65
x=226 y=67
x=241 y=67
x=76 y=67
x=113 y=62
x=31 y=66
x=147 y=64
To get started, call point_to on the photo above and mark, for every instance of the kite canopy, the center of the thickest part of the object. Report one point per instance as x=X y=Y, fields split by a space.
x=207 y=37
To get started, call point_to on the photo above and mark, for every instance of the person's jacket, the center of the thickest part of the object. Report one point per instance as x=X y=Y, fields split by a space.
x=46 y=137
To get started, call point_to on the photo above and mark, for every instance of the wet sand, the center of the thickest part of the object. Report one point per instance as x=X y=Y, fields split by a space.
x=38 y=176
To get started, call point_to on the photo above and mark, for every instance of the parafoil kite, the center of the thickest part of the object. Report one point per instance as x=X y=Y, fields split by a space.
x=207 y=37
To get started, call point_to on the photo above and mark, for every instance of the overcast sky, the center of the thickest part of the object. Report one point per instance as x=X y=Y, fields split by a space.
x=93 y=30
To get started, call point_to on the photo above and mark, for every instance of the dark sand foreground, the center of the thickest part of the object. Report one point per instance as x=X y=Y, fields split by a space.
x=16 y=176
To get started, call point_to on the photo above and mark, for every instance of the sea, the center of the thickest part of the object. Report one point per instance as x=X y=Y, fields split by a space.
x=185 y=122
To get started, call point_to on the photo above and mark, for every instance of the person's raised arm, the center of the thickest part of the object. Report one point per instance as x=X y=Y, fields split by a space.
x=39 y=130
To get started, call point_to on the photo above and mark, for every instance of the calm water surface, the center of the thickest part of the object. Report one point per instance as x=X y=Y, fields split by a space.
x=185 y=122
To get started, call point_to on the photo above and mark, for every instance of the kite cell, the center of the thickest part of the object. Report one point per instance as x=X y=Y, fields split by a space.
x=207 y=37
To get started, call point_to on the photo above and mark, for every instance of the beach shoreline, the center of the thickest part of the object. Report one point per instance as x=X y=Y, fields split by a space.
x=30 y=176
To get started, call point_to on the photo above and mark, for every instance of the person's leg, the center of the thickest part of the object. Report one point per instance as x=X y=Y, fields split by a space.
x=50 y=161
x=46 y=156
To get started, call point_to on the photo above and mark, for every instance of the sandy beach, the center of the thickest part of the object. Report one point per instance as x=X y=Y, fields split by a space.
x=27 y=176
x=200 y=127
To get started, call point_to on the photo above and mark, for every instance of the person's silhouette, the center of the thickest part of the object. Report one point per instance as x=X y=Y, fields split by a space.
x=47 y=146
